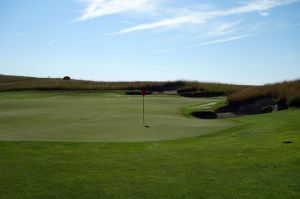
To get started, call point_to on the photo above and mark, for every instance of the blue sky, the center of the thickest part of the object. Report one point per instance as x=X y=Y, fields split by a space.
x=242 y=41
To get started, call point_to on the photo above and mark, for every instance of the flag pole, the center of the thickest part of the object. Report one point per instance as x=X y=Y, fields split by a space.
x=143 y=93
x=144 y=110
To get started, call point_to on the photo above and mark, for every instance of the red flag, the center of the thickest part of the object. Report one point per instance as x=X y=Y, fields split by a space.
x=143 y=92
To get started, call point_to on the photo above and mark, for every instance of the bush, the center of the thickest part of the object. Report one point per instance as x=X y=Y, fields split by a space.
x=282 y=104
x=67 y=78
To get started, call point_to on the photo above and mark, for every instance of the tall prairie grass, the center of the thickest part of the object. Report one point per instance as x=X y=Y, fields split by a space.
x=8 y=83
x=287 y=90
x=191 y=86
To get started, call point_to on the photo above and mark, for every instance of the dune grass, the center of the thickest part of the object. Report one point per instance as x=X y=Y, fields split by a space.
x=16 y=83
x=288 y=91
x=194 y=86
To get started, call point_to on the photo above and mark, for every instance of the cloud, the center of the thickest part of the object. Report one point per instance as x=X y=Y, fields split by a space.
x=194 y=17
x=208 y=43
x=222 y=28
x=166 y=22
x=264 y=14
x=224 y=40
x=99 y=8
x=197 y=17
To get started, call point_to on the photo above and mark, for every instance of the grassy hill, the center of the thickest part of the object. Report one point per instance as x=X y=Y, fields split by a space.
x=285 y=92
x=11 y=83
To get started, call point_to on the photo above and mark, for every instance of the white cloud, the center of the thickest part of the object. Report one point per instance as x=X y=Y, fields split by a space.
x=198 y=17
x=98 y=8
x=191 y=18
x=195 y=17
x=224 y=40
x=222 y=28
x=258 y=5
x=264 y=14
x=166 y=22
x=208 y=43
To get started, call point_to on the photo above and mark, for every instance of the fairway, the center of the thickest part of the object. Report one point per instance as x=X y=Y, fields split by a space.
x=108 y=116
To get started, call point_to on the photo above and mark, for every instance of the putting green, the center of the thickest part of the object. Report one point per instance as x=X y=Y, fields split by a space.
x=99 y=117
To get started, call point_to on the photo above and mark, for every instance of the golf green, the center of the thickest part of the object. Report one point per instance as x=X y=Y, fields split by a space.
x=100 y=117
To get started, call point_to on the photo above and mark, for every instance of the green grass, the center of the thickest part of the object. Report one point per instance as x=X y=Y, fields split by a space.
x=240 y=158
x=98 y=117
x=215 y=103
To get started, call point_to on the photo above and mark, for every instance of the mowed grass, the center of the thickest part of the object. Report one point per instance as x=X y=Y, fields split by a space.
x=98 y=117
x=245 y=159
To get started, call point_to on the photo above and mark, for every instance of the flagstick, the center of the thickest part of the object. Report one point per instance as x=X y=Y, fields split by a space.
x=143 y=109
x=144 y=93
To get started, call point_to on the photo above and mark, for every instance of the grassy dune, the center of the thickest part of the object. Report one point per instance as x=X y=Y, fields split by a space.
x=288 y=91
x=11 y=83
x=211 y=86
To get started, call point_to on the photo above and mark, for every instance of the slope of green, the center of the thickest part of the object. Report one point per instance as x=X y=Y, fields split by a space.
x=98 y=117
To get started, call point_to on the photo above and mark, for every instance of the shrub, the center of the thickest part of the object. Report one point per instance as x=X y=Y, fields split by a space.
x=67 y=78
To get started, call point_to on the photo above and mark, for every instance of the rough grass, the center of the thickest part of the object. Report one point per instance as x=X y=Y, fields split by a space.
x=192 y=86
x=59 y=84
x=288 y=90
x=11 y=83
